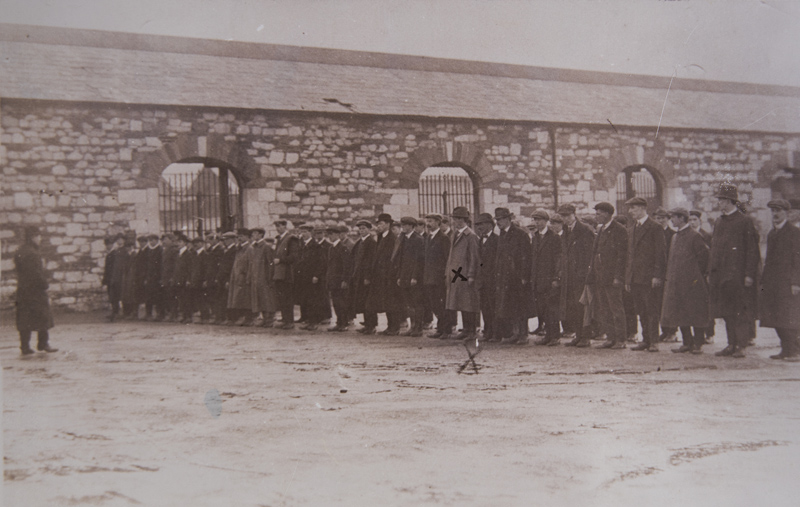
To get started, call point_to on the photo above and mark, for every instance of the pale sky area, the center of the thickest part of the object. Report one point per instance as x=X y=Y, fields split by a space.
x=756 y=41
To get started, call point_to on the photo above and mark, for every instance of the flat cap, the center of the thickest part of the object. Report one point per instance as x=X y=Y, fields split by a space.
x=306 y=227
x=434 y=216
x=229 y=235
x=622 y=219
x=385 y=217
x=152 y=236
x=408 y=221
x=484 y=218
x=501 y=213
x=636 y=201
x=660 y=212
x=606 y=207
x=541 y=214
x=365 y=223
x=695 y=213
x=280 y=222
x=242 y=231
x=683 y=212
x=557 y=219
x=566 y=209
x=460 y=212
x=779 y=204
x=257 y=229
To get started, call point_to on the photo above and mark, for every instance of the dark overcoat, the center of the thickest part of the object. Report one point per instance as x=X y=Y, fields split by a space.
x=512 y=272
x=200 y=268
x=685 y=300
x=313 y=264
x=287 y=251
x=33 y=305
x=384 y=294
x=363 y=259
x=338 y=265
x=140 y=272
x=647 y=253
x=240 y=295
x=130 y=278
x=734 y=256
x=462 y=295
x=169 y=258
x=488 y=254
x=779 y=308
x=223 y=273
x=411 y=263
x=545 y=259
x=183 y=268
x=576 y=256
x=437 y=249
x=609 y=255
x=153 y=274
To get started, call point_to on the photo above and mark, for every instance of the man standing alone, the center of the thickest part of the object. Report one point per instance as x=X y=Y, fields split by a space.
x=33 y=305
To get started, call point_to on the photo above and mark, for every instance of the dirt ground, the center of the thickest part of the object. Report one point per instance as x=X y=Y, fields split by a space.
x=169 y=414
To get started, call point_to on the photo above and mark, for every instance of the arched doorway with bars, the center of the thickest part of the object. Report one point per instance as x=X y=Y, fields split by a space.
x=639 y=181
x=199 y=197
x=445 y=186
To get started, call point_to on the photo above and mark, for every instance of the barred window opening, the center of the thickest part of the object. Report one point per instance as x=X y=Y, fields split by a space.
x=638 y=181
x=197 y=198
x=443 y=188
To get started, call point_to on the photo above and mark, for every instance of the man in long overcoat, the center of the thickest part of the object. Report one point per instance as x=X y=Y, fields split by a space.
x=576 y=256
x=33 y=305
x=437 y=248
x=685 y=304
x=262 y=294
x=312 y=268
x=780 y=282
x=661 y=216
x=512 y=273
x=411 y=265
x=198 y=281
x=152 y=284
x=645 y=270
x=487 y=250
x=287 y=253
x=733 y=271
x=363 y=259
x=114 y=274
x=607 y=276
x=461 y=274
x=223 y=278
x=240 y=295
x=169 y=258
x=384 y=294
x=545 y=273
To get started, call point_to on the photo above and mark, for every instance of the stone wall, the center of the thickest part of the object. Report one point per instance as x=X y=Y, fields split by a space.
x=81 y=171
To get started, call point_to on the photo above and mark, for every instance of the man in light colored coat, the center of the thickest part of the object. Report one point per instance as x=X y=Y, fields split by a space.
x=463 y=265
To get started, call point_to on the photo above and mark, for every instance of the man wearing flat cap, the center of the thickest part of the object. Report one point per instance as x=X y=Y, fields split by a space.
x=464 y=261
x=411 y=267
x=363 y=260
x=545 y=277
x=696 y=223
x=240 y=290
x=264 y=298
x=384 y=295
x=337 y=276
x=576 y=254
x=437 y=248
x=484 y=226
x=512 y=273
x=183 y=279
x=780 y=282
x=733 y=271
x=287 y=253
x=33 y=305
x=645 y=270
x=685 y=303
x=223 y=278
x=607 y=276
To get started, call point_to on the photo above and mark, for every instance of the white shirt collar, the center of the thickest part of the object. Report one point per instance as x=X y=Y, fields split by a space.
x=731 y=212
x=542 y=233
x=385 y=233
x=461 y=231
x=780 y=225
x=433 y=234
x=684 y=227
x=642 y=220
x=183 y=249
x=335 y=242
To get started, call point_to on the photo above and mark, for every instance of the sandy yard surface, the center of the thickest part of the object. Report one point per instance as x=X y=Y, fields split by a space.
x=192 y=415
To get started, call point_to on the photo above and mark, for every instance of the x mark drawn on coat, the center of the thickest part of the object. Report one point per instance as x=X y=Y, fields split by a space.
x=458 y=275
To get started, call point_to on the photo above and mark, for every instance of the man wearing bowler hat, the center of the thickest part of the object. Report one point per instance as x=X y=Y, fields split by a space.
x=437 y=248
x=33 y=305
x=576 y=254
x=733 y=271
x=645 y=270
x=780 y=282
x=512 y=273
x=607 y=276
x=384 y=294
x=484 y=226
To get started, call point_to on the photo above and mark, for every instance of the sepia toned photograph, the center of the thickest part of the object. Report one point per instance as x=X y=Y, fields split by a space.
x=400 y=253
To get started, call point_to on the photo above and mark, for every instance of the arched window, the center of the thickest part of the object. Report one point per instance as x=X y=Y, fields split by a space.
x=638 y=181
x=198 y=198
x=442 y=188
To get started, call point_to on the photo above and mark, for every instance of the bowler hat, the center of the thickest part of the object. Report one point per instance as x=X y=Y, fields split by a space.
x=460 y=212
x=779 y=204
x=385 y=217
x=680 y=212
x=501 y=213
x=566 y=209
x=540 y=213
x=606 y=207
x=636 y=201
x=484 y=218
x=728 y=191
x=365 y=223
x=408 y=221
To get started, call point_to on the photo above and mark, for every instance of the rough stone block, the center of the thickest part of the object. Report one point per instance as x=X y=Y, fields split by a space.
x=132 y=196
x=74 y=229
x=266 y=194
x=284 y=196
x=23 y=200
x=277 y=208
x=125 y=155
x=292 y=158
x=276 y=157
